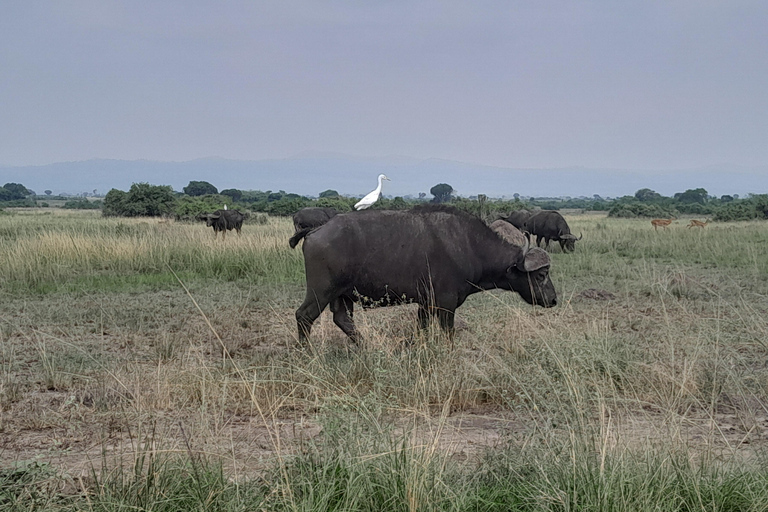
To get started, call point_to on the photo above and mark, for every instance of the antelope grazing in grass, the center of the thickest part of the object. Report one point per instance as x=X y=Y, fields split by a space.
x=657 y=223
x=698 y=224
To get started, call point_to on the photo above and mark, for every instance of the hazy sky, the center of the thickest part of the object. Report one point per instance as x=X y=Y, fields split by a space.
x=631 y=84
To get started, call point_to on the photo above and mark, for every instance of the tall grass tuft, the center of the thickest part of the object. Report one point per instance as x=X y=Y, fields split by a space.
x=57 y=253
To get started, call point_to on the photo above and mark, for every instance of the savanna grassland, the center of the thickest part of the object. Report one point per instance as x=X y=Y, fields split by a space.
x=146 y=366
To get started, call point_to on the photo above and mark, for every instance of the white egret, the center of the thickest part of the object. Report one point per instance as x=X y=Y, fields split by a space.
x=372 y=197
x=225 y=207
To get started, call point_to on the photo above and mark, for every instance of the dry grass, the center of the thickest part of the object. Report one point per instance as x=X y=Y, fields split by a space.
x=660 y=341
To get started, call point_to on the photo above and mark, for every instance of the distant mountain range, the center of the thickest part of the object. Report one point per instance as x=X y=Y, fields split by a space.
x=312 y=173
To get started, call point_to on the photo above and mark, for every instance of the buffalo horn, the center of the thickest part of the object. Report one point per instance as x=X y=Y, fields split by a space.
x=527 y=245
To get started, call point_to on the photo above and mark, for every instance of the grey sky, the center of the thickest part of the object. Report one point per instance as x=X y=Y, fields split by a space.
x=631 y=84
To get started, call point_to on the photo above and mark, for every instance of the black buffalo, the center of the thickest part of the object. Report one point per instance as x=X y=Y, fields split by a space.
x=550 y=225
x=518 y=218
x=223 y=220
x=435 y=256
x=310 y=218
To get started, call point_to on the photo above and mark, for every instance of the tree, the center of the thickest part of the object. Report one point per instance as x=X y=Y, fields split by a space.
x=232 y=193
x=328 y=193
x=442 y=192
x=114 y=203
x=200 y=188
x=726 y=198
x=16 y=190
x=398 y=203
x=647 y=195
x=698 y=195
x=142 y=199
x=48 y=192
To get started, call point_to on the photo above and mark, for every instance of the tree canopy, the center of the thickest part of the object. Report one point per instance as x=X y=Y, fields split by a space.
x=200 y=188
x=697 y=195
x=13 y=191
x=647 y=195
x=232 y=193
x=141 y=200
x=442 y=192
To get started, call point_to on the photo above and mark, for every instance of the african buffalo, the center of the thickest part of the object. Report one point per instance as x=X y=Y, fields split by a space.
x=550 y=225
x=435 y=256
x=223 y=220
x=518 y=218
x=310 y=217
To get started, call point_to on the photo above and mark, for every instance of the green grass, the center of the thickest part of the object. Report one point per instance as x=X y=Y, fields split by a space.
x=73 y=251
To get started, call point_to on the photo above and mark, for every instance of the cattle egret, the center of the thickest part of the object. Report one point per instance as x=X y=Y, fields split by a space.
x=225 y=207
x=372 y=197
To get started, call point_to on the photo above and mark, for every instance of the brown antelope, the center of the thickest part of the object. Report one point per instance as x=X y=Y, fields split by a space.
x=698 y=224
x=656 y=223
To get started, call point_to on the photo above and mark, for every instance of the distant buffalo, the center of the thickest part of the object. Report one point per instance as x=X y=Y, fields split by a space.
x=518 y=218
x=223 y=220
x=310 y=218
x=550 y=225
x=509 y=232
x=435 y=256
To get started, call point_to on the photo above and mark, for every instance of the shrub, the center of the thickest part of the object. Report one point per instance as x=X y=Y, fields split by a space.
x=187 y=207
x=755 y=207
x=142 y=200
x=636 y=209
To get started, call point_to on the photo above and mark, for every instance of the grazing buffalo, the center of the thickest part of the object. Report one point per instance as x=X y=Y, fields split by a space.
x=518 y=218
x=435 y=256
x=550 y=225
x=223 y=220
x=310 y=218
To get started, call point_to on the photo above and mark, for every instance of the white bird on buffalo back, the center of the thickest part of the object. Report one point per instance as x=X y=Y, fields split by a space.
x=372 y=197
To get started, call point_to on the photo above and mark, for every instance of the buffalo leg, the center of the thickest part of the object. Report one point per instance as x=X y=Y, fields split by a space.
x=307 y=313
x=342 y=309
x=446 y=317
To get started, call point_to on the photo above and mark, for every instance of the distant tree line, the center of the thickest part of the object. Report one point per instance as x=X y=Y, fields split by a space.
x=143 y=199
x=648 y=203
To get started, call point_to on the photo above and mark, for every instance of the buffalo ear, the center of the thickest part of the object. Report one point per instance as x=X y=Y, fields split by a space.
x=534 y=259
